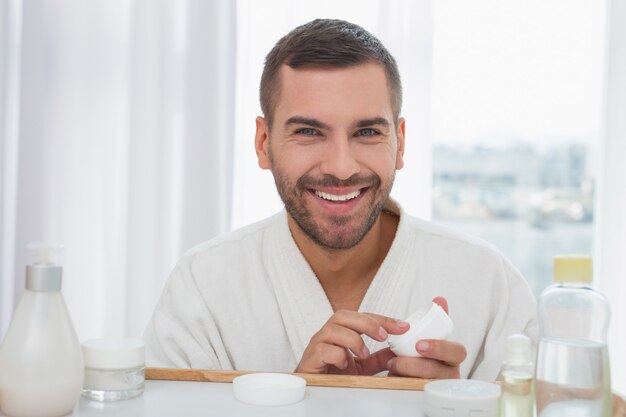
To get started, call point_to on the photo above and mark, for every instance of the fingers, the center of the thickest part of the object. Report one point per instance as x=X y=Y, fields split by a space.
x=373 y=325
x=376 y=362
x=360 y=323
x=422 y=368
x=391 y=326
x=323 y=355
x=440 y=359
x=450 y=353
x=345 y=328
x=343 y=331
x=442 y=302
x=338 y=335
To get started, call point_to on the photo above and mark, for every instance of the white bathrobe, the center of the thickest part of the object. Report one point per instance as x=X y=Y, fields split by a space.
x=250 y=301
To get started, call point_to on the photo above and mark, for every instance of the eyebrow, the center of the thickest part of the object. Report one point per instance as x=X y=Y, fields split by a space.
x=374 y=121
x=299 y=120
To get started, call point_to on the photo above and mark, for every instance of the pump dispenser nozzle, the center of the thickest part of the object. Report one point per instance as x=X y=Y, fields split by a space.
x=44 y=274
x=45 y=252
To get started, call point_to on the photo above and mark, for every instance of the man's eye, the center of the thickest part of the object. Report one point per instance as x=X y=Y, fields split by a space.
x=306 y=131
x=367 y=132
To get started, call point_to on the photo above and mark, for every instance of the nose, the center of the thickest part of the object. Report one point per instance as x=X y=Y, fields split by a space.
x=338 y=159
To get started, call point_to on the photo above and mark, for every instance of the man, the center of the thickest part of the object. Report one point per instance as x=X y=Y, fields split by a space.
x=320 y=286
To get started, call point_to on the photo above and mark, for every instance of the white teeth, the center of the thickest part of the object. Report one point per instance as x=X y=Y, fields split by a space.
x=333 y=197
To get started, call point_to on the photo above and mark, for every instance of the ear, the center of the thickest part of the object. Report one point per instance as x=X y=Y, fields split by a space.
x=400 y=134
x=261 y=143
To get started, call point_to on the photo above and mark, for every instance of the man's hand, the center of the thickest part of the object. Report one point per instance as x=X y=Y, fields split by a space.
x=440 y=358
x=338 y=347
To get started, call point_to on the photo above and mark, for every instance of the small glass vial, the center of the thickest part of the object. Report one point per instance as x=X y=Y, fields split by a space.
x=114 y=369
x=517 y=378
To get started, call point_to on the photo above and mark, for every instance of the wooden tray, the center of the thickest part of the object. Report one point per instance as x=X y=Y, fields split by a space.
x=318 y=380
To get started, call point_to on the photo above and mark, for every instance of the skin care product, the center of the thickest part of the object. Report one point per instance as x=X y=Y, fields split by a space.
x=41 y=367
x=114 y=369
x=434 y=324
x=269 y=389
x=573 y=370
x=461 y=398
x=516 y=378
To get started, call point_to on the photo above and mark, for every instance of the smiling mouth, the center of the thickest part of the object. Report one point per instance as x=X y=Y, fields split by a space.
x=339 y=198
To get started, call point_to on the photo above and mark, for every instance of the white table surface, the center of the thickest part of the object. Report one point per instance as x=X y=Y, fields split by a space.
x=189 y=399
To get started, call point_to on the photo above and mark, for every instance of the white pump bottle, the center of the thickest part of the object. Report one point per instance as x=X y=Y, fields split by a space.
x=41 y=365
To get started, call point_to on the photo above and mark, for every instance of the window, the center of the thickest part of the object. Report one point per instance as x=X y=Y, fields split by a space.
x=516 y=125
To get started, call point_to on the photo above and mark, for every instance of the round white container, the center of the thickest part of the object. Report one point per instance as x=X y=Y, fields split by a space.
x=269 y=389
x=114 y=369
x=461 y=398
x=434 y=324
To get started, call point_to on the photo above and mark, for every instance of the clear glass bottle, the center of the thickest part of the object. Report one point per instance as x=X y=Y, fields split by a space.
x=516 y=378
x=573 y=372
x=41 y=366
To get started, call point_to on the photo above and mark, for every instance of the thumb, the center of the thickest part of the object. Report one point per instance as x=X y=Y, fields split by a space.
x=442 y=302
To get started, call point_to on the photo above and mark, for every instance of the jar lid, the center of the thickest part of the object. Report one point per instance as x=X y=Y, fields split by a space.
x=434 y=324
x=114 y=353
x=269 y=388
x=461 y=398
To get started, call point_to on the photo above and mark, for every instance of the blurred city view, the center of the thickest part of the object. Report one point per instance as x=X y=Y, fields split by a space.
x=531 y=202
x=517 y=98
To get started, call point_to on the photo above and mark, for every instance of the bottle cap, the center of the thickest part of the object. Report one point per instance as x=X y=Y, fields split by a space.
x=461 y=397
x=573 y=268
x=44 y=274
x=434 y=324
x=114 y=353
x=518 y=350
x=269 y=389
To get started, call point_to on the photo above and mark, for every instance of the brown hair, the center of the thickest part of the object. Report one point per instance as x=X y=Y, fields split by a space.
x=326 y=43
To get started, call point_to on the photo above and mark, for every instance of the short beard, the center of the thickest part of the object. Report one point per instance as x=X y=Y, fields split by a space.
x=293 y=196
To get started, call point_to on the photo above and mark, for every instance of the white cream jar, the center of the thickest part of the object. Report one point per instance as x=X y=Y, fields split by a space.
x=114 y=369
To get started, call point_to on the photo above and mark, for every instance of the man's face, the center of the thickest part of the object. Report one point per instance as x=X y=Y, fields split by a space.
x=333 y=149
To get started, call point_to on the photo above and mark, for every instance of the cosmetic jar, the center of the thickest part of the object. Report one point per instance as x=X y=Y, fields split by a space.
x=433 y=324
x=461 y=398
x=269 y=389
x=114 y=369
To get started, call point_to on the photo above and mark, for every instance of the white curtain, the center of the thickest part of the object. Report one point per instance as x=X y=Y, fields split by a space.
x=611 y=201
x=119 y=138
x=122 y=147
x=9 y=80
x=10 y=19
